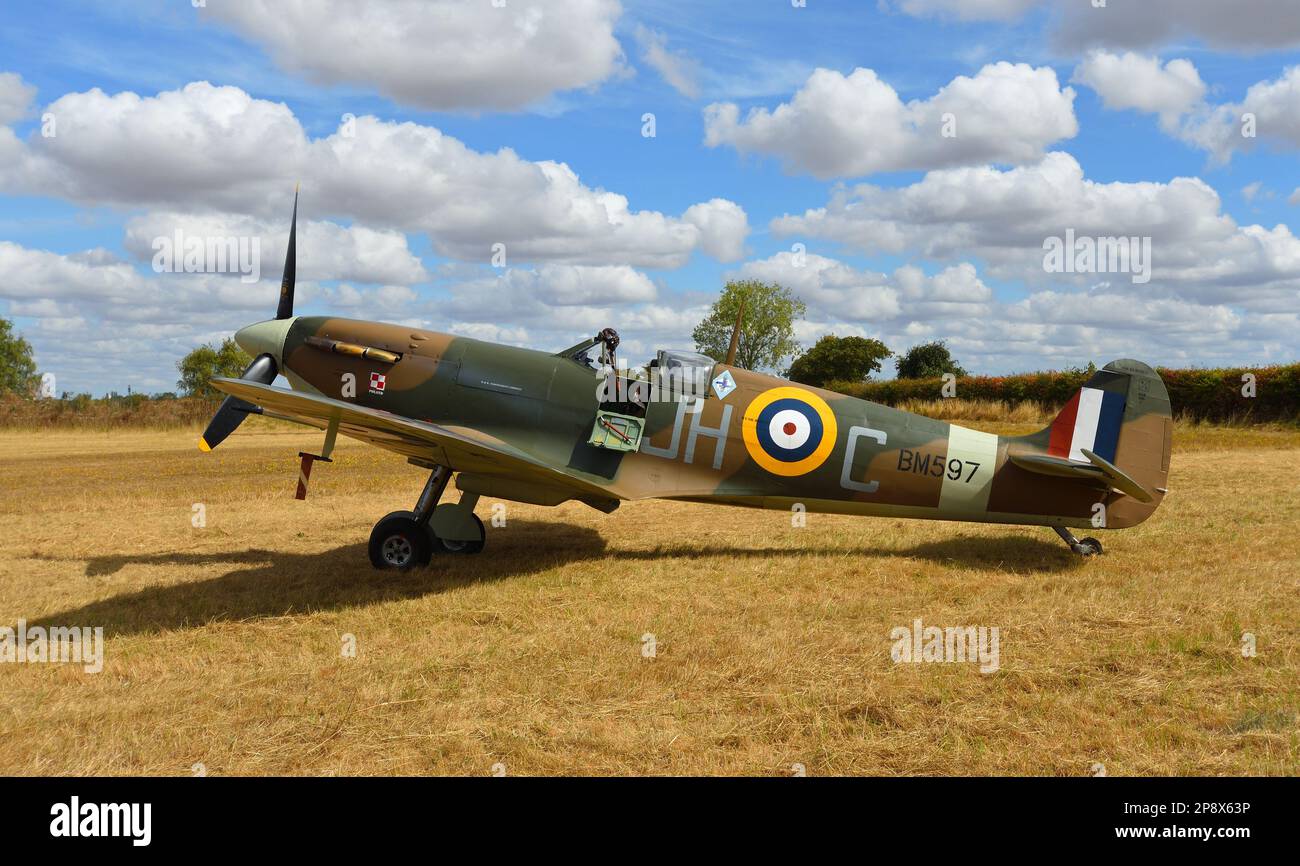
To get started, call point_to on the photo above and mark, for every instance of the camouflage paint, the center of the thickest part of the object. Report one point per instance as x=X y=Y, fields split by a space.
x=876 y=460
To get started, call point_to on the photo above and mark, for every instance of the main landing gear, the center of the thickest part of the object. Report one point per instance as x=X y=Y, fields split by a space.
x=1086 y=547
x=404 y=539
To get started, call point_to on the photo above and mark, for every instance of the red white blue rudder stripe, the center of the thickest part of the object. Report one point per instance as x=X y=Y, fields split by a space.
x=1091 y=420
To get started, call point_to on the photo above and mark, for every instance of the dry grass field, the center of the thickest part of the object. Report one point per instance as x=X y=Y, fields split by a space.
x=772 y=649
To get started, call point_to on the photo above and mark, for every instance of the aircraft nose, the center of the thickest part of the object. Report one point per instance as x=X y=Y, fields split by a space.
x=265 y=338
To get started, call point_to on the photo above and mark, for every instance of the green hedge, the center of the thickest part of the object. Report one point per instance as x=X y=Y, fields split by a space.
x=1205 y=395
x=85 y=412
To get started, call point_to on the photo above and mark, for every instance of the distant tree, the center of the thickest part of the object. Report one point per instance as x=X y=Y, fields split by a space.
x=767 y=332
x=17 y=365
x=199 y=366
x=842 y=359
x=927 y=361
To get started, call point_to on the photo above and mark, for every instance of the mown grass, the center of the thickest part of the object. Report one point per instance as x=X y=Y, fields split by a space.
x=224 y=643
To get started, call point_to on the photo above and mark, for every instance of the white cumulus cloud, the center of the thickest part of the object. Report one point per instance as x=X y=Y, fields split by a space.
x=1250 y=25
x=15 y=97
x=845 y=126
x=326 y=250
x=1270 y=111
x=1005 y=217
x=438 y=54
x=208 y=148
x=1133 y=81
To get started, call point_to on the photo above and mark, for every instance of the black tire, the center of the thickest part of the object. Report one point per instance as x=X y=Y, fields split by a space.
x=1094 y=545
x=444 y=545
x=398 y=543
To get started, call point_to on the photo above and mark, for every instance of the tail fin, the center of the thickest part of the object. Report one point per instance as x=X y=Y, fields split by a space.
x=1122 y=416
x=1092 y=419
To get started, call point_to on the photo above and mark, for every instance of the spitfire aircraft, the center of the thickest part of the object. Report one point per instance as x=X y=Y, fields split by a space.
x=530 y=426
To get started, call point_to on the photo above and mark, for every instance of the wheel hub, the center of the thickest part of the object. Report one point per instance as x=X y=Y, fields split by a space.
x=397 y=550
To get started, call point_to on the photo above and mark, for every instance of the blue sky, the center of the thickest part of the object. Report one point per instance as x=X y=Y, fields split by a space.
x=1123 y=125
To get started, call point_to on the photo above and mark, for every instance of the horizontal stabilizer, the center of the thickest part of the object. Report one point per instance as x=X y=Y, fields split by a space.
x=1097 y=470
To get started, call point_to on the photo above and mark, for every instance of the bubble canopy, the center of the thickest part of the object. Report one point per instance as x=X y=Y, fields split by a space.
x=679 y=359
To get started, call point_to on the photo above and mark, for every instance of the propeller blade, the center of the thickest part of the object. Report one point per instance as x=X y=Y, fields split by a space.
x=285 y=309
x=233 y=411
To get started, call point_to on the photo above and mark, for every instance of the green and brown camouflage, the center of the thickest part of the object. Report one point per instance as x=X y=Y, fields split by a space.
x=515 y=424
x=528 y=426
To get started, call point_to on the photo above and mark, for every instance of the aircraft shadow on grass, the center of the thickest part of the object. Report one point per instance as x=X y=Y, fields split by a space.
x=267 y=583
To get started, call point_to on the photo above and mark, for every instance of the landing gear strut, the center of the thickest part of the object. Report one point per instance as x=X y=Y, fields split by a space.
x=405 y=539
x=1086 y=547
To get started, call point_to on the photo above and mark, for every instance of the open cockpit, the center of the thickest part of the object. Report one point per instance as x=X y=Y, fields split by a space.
x=625 y=393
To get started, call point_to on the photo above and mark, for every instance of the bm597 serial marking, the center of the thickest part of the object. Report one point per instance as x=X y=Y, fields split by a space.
x=541 y=428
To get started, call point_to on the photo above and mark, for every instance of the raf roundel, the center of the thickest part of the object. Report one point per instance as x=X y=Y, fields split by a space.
x=789 y=431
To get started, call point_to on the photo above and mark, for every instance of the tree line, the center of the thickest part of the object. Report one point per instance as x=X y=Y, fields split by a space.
x=19 y=375
x=767 y=338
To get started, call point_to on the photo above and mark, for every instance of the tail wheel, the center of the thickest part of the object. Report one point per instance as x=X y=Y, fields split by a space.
x=448 y=545
x=399 y=543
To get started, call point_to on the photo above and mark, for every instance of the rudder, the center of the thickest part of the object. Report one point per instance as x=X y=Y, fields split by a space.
x=1121 y=414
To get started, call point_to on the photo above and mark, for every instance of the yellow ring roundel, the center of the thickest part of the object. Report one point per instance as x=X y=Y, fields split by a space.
x=788 y=431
